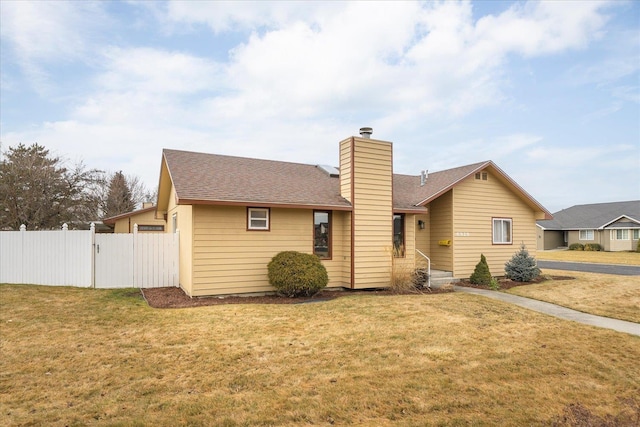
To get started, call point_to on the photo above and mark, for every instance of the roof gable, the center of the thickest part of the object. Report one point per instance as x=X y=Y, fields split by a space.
x=407 y=190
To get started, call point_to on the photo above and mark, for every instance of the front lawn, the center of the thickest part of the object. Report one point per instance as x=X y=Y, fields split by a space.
x=74 y=356
x=601 y=294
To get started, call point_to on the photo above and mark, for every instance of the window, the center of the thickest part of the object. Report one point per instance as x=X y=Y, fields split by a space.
x=586 y=235
x=174 y=222
x=482 y=175
x=322 y=234
x=258 y=219
x=150 y=227
x=501 y=231
x=636 y=234
x=620 y=234
x=398 y=235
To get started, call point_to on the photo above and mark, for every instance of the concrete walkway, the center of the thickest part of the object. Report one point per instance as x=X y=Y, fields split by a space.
x=557 y=311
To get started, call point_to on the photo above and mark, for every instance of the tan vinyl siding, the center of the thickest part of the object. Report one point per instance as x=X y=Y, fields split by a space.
x=373 y=215
x=229 y=259
x=441 y=214
x=345 y=169
x=185 y=226
x=476 y=203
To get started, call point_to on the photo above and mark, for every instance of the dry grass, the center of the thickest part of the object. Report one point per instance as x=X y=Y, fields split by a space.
x=626 y=258
x=602 y=294
x=102 y=357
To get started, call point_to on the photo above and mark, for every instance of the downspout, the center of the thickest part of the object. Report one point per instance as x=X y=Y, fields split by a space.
x=353 y=215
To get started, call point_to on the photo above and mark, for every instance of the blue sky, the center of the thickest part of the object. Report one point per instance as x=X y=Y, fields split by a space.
x=550 y=91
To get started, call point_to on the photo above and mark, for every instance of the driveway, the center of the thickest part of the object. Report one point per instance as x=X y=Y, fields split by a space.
x=622 y=270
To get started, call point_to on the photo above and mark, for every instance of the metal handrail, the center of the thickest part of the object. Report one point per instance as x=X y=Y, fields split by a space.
x=428 y=268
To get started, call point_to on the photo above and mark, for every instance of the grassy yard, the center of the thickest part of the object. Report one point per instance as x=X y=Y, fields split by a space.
x=627 y=258
x=602 y=294
x=103 y=357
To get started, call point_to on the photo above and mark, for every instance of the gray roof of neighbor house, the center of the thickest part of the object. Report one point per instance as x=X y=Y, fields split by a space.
x=201 y=178
x=594 y=216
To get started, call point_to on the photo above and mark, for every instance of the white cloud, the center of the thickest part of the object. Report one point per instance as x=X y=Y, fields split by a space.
x=40 y=33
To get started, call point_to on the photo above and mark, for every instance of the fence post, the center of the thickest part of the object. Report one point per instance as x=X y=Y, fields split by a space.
x=92 y=228
x=23 y=229
x=135 y=256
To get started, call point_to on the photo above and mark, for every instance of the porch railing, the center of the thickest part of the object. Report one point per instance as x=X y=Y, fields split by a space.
x=428 y=268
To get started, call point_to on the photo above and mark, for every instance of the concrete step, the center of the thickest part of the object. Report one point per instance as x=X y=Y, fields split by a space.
x=440 y=278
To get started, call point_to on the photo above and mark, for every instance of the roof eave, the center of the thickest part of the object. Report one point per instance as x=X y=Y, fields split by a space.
x=183 y=201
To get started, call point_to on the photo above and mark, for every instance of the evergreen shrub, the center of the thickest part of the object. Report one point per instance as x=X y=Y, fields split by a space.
x=576 y=247
x=592 y=247
x=296 y=274
x=481 y=274
x=522 y=267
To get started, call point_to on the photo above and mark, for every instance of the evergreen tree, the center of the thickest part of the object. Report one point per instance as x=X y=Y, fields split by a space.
x=481 y=275
x=119 y=198
x=522 y=267
x=37 y=190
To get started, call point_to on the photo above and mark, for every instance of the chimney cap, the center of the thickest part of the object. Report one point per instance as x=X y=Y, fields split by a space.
x=366 y=132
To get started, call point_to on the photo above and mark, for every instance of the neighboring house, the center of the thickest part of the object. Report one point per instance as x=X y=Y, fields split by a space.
x=234 y=214
x=145 y=218
x=614 y=226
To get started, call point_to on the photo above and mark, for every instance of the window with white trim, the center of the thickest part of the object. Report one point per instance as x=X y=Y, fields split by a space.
x=585 y=235
x=258 y=218
x=620 y=234
x=502 y=231
x=636 y=234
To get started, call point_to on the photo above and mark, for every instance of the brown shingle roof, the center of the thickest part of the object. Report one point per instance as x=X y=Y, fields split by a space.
x=408 y=193
x=213 y=178
x=201 y=178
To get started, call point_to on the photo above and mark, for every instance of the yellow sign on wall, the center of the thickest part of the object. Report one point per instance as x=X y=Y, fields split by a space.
x=444 y=242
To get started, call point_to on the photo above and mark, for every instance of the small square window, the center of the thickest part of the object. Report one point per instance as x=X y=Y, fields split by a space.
x=258 y=218
x=636 y=234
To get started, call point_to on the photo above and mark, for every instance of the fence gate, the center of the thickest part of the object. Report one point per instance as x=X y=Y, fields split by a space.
x=114 y=261
x=136 y=260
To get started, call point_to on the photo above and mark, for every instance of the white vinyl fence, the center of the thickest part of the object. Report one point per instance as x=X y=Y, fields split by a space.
x=86 y=259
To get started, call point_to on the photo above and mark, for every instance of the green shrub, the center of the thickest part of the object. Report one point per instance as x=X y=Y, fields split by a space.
x=481 y=275
x=592 y=247
x=494 y=284
x=296 y=274
x=576 y=247
x=638 y=246
x=522 y=267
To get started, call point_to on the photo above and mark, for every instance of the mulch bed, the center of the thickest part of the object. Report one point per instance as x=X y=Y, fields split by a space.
x=508 y=283
x=176 y=298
